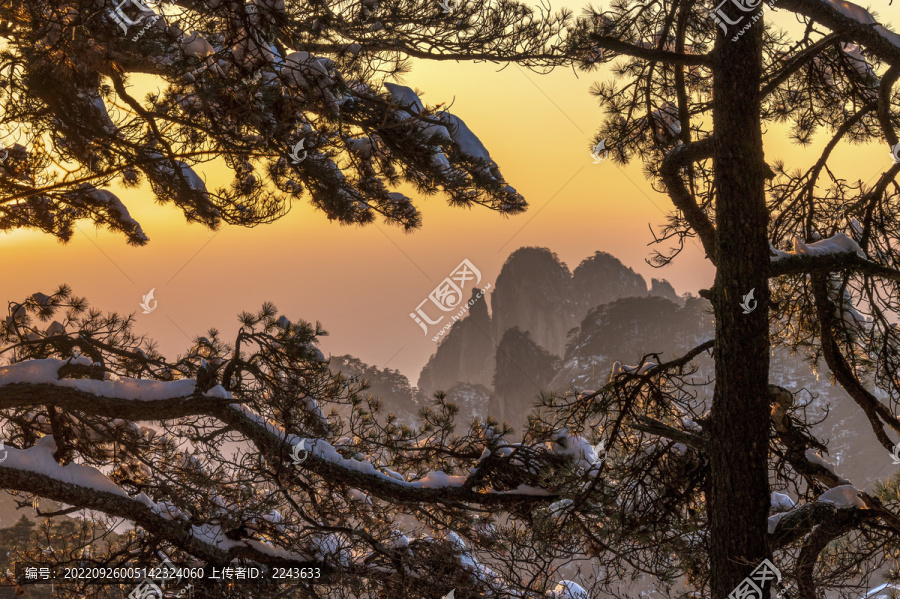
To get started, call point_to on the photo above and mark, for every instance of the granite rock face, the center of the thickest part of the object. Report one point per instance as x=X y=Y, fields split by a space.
x=524 y=369
x=625 y=330
x=465 y=355
x=601 y=279
x=537 y=294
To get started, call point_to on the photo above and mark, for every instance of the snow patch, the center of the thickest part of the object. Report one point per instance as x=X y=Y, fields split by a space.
x=842 y=497
x=774 y=520
x=47 y=371
x=814 y=457
x=839 y=243
x=576 y=447
x=861 y=15
x=220 y=392
x=39 y=460
x=618 y=368
x=781 y=502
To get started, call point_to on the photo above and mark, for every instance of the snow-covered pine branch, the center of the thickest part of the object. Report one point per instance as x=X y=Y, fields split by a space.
x=199 y=455
x=295 y=98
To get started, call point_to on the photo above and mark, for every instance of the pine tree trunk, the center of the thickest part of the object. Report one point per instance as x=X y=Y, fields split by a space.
x=739 y=498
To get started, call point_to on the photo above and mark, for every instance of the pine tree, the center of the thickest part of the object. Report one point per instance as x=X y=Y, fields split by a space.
x=804 y=260
x=655 y=473
x=293 y=97
x=249 y=458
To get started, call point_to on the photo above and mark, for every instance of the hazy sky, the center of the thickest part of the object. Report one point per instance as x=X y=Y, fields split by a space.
x=362 y=283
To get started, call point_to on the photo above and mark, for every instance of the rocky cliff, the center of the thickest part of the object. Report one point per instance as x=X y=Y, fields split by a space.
x=550 y=330
x=601 y=279
x=465 y=355
x=625 y=330
x=536 y=293
x=523 y=370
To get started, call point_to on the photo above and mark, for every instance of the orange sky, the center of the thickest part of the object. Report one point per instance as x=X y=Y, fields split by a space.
x=362 y=283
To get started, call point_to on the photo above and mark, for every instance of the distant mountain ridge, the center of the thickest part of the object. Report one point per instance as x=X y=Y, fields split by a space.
x=536 y=293
x=536 y=304
x=550 y=329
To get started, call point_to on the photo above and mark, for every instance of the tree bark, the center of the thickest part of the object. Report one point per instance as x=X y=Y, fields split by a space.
x=739 y=497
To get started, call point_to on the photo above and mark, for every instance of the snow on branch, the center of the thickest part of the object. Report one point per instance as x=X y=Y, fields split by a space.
x=35 y=470
x=618 y=368
x=839 y=243
x=47 y=371
x=838 y=252
x=853 y=21
x=293 y=116
x=140 y=399
x=39 y=459
x=135 y=399
x=819 y=461
x=325 y=460
x=843 y=496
